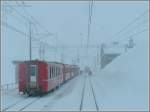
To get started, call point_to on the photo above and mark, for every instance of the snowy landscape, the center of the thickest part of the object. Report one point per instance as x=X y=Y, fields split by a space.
x=121 y=85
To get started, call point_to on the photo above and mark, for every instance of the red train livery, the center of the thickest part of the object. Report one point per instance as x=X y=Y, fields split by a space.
x=39 y=77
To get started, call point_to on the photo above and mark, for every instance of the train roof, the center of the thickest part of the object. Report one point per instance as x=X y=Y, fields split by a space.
x=50 y=62
x=26 y=61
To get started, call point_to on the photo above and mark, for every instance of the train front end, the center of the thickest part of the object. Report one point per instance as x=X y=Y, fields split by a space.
x=31 y=87
x=29 y=78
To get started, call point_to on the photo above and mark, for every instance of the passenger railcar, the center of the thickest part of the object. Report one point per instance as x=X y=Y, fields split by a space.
x=39 y=77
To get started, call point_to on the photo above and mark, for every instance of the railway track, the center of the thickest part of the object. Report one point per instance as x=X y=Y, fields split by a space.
x=19 y=101
x=29 y=104
x=84 y=92
x=97 y=108
x=21 y=104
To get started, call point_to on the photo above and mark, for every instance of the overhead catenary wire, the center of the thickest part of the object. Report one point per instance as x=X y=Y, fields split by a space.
x=133 y=29
x=33 y=21
x=24 y=34
x=135 y=34
x=37 y=22
x=30 y=18
x=127 y=26
x=21 y=15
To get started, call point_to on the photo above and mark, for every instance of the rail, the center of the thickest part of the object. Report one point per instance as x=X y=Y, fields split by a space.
x=82 y=97
x=93 y=93
x=95 y=101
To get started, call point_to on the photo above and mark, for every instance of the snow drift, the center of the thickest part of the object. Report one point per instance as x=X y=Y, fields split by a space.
x=123 y=84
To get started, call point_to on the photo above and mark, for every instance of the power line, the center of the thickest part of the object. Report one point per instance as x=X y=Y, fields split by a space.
x=15 y=29
x=17 y=18
x=24 y=34
x=136 y=19
x=21 y=15
x=37 y=22
x=135 y=27
x=32 y=19
x=135 y=34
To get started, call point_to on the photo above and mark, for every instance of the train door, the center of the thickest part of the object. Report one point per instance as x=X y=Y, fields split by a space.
x=22 y=76
x=33 y=73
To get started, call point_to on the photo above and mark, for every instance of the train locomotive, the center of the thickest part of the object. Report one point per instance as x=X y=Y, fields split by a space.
x=39 y=77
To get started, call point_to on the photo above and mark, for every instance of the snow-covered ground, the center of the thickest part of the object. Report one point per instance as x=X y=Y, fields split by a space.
x=122 y=85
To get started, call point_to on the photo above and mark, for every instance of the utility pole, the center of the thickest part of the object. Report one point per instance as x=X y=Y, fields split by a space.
x=78 y=58
x=62 y=54
x=43 y=52
x=40 y=51
x=30 y=41
x=56 y=37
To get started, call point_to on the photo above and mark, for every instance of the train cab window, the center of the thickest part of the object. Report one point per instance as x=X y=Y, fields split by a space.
x=33 y=72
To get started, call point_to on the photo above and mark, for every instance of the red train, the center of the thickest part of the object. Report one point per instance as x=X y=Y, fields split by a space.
x=39 y=77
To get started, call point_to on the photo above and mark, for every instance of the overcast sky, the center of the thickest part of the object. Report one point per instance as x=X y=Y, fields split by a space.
x=69 y=20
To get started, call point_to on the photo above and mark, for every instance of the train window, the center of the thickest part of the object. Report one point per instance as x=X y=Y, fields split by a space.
x=32 y=70
x=59 y=71
x=52 y=72
x=49 y=72
x=56 y=71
